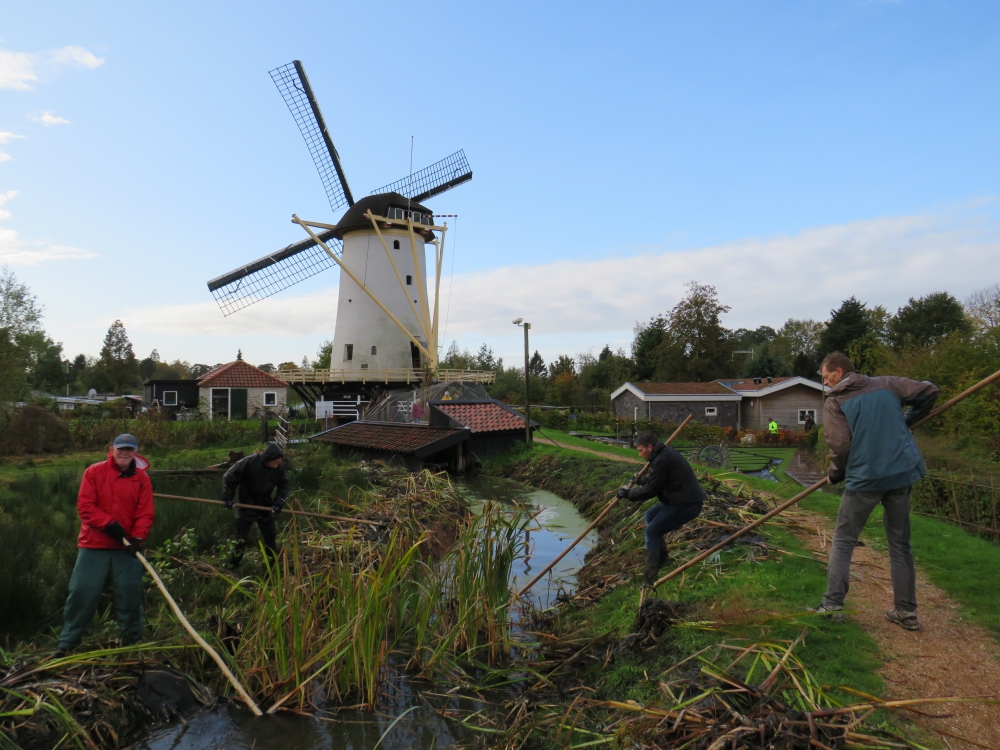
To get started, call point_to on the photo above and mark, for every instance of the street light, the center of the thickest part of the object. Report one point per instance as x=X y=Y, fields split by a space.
x=527 y=419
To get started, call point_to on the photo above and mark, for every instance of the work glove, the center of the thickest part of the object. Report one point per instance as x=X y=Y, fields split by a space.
x=134 y=545
x=228 y=498
x=116 y=532
x=623 y=493
x=276 y=508
x=835 y=477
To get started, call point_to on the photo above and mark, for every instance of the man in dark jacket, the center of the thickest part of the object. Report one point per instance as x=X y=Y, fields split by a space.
x=671 y=479
x=873 y=452
x=257 y=477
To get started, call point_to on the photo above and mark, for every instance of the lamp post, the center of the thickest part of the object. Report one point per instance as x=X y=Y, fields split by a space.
x=527 y=381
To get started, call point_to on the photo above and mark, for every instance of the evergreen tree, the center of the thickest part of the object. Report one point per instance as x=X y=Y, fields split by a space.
x=648 y=336
x=851 y=321
x=485 y=359
x=765 y=364
x=925 y=320
x=117 y=358
x=536 y=365
x=239 y=355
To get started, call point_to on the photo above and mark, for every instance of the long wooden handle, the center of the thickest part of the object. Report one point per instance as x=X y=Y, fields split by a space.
x=325 y=517
x=194 y=634
x=826 y=480
x=610 y=506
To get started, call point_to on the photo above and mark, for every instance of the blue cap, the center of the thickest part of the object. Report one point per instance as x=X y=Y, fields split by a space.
x=126 y=441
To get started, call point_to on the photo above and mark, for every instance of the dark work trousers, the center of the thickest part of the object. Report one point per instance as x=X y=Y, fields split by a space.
x=245 y=519
x=661 y=519
x=89 y=575
x=855 y=507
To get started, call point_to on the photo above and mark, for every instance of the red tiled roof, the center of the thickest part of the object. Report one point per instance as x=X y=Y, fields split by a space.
x=483 y=417
x=239 y=374
x=683 y=389
x=747 y=384
x=385 y=436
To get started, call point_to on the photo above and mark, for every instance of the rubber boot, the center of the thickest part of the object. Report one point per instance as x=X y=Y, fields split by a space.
x=650 y=565
x=664 y=557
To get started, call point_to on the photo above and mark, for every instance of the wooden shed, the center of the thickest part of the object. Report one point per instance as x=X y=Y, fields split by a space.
x=788 y=400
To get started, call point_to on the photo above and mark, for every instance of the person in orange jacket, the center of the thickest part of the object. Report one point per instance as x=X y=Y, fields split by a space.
x=115 y=504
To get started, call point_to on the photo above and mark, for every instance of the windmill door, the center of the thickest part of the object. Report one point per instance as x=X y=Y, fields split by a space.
x=238 y=403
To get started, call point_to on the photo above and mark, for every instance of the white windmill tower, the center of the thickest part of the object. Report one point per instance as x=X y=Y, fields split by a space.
x=387 y=325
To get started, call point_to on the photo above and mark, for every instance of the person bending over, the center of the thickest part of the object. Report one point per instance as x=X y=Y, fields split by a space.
x=671 y=479
x=257 y=477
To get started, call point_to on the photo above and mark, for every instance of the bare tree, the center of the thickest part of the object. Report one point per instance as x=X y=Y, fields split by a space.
x=984 y=307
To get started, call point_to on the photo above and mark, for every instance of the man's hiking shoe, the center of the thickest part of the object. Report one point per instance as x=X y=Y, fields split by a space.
x=58 y=653
x=905 y=620
x=828 y=613
x=650 y=565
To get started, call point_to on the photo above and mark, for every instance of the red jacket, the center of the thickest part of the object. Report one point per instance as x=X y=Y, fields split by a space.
x=106 y=496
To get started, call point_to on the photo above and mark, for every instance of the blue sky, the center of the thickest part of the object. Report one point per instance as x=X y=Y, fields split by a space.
x=790 y=153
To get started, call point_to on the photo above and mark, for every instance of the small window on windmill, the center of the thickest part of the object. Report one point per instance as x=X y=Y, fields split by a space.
x=348 y=352
x=711 y=411
x=395 y=244
x=409 y=280
x=374 y=350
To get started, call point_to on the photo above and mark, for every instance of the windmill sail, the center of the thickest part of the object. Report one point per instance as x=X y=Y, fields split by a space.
x=433 y=180
x=269 y=275
x=294 y=86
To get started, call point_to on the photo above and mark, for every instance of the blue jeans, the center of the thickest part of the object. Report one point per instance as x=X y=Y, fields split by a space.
x=89 y=575
x=661 y=519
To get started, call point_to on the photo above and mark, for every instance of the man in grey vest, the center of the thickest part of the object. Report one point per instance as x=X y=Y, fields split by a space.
x=873 y=452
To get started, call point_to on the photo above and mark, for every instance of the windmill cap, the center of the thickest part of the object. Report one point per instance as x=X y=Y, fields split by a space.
x=379 y=205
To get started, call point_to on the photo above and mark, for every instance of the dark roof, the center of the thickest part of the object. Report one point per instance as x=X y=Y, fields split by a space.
x=181 y=381
x=747 y=384
x=418 y=439
x=239 y=374
x=481 y=416
x=379 y=205
x=683 y=389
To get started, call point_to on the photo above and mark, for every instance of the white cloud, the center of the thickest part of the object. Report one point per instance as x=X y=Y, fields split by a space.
x=7 y=136
x=275 y=316
x=5 y=157
x=22 y=70
x=48 y=119
x=17 y=252
x=4 y=197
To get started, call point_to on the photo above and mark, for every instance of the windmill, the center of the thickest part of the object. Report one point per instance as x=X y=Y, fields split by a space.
x=386 y=330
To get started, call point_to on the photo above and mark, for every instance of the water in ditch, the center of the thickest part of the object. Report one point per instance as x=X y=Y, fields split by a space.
x=233 y=728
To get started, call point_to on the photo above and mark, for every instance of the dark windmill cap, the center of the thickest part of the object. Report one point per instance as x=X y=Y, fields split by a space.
x=271 y=452
x=126 y=441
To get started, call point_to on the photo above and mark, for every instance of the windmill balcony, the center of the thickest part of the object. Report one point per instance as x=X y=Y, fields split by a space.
x=382 y=375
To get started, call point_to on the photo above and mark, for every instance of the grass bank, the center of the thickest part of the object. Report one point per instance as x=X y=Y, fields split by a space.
x=744 y=597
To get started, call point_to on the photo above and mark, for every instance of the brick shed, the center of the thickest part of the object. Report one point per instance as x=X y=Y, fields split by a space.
x=239 y=390
x=493 y=426
x=710 y=403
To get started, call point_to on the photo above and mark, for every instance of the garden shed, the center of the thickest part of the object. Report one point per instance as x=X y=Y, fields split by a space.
x=710 y=403
x=241 y=391
x=789 y=400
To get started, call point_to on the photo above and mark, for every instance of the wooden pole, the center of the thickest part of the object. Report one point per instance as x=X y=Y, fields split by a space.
x=826 y=480
x=194 y=634
x=322 y=516
x=527 y=387
x=608 y=509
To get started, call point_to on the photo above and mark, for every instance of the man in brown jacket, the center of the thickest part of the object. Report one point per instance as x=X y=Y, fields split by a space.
x=873 y=451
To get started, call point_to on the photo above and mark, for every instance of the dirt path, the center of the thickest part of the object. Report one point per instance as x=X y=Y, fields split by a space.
x=612 y=456
x=948 y=657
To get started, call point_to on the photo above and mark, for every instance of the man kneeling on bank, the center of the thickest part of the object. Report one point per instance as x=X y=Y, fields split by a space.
x=671 y=479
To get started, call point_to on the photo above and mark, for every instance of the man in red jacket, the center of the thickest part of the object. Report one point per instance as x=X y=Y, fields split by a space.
x=115 y=504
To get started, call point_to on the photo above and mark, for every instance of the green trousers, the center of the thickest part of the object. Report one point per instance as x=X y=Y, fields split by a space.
x=89 y=575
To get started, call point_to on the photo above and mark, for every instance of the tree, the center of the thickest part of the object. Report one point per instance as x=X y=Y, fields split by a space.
x=117 y=358
x=851 y=321
x=603 y=374
x=239 y=355
x=923 y=321
x=696 y=346
x=20 y=313
x=647 y=337
x=324 y=357
x=484 y=358
x=197 y=370
x=269 y=367
x=983 y=307
x=536 y=365
x=562 y=365
x=765 y=364
x=48 y=370
x=147 y=368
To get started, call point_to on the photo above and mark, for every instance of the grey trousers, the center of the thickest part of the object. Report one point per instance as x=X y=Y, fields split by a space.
x=855 y=508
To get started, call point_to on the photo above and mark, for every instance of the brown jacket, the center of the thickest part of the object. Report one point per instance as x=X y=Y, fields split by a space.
x=871 y=446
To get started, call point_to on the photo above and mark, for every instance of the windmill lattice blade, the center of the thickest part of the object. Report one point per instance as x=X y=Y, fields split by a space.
x=271 y=274
x=430 y=181
x=294 y=86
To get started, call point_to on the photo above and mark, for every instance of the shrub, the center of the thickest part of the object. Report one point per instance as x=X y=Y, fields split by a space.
x=33 y=429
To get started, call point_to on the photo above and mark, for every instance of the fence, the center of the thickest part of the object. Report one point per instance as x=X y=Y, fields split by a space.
x=969 y=503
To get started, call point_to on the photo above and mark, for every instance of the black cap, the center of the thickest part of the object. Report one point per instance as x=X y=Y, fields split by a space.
x=271 y=452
